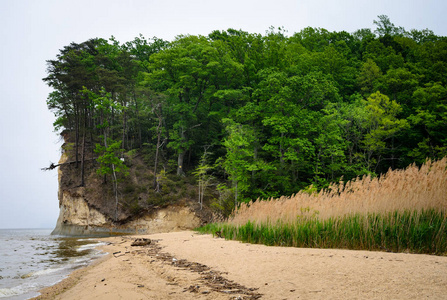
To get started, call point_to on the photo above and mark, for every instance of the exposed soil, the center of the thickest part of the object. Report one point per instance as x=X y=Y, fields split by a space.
x=137 y=196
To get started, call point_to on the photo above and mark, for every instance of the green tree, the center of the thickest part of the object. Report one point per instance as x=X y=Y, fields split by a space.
x=110 y=152
x=383 y=124
x=183 y=72
x=353 y=125
x=110 y=163
x=73 y=69
x=202 y=174
x=281 y=112
x=330 y=147
x=369 y=74
x=385 y=27
x=430 y=119
x=240 y=159
x=384 y=56
x=400 y=84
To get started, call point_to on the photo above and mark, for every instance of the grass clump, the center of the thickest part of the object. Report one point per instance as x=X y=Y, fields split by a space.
x=408 y=231
x=401 y=211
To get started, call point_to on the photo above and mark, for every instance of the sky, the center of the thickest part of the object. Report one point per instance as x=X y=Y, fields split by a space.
x=33 y=31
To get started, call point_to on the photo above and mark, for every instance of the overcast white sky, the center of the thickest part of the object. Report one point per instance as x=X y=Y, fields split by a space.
x=33 y=31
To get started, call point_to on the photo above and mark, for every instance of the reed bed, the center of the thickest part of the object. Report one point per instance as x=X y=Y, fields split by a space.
x=400 y=211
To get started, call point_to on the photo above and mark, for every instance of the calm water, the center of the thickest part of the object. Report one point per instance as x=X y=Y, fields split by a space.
x=31 y=259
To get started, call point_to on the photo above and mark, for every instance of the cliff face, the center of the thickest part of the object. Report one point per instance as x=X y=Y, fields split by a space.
x=79 y=217
x=76 y=218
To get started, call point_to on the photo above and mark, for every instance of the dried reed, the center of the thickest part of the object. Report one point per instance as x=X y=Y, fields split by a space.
x=398 y=190
x=402 y=210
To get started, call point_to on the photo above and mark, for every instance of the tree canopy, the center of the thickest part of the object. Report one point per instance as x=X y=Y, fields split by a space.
x=276 y=113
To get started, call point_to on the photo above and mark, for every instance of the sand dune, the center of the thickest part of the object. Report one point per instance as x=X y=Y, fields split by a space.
x=186 y=265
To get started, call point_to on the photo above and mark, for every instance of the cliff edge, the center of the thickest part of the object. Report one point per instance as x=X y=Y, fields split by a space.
x=89 y=210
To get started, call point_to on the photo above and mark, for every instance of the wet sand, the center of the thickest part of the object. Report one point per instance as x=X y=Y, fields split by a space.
x=186 y=265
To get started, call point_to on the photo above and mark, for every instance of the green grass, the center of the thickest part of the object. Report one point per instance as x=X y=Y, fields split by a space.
x=409 y=231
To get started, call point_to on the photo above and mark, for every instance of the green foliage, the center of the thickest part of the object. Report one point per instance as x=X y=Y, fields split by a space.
x=240 y=160
x=203 y=177
x=109 y=158
x=382 y=121
x=224 y=204
x=162 y=180
x=282 y=112
x=385 y=27
x=369 y=74
x=429 y=121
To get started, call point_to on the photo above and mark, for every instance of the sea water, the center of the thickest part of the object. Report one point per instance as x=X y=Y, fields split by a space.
x=31 y=259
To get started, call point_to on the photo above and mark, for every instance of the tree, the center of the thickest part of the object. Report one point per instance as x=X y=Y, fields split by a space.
x=383 y=124
x=429 y=121
x=202 y=175
x=330 y=147
x=400 y=84
x=240 y=159
x=111 y=164
x=73 y=69
x=110 y=152
x=384 y=56
x=369 y=74
x=353 y=125
x=157 y=104
x=183 y=72
x=281 y=112
x=385 y=27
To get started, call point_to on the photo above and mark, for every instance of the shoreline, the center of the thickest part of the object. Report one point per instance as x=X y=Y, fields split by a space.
x=193 y=266
x=50 y=292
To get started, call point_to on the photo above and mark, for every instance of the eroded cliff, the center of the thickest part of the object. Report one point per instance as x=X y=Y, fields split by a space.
x=89 y=210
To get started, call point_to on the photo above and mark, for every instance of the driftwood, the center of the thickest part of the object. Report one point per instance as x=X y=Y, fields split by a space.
x=141 y=242
x=53 y=166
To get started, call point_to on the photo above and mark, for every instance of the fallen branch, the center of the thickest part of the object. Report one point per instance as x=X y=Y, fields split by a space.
x=53 y=166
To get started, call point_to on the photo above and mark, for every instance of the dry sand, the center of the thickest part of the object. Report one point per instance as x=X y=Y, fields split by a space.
x=186 y=265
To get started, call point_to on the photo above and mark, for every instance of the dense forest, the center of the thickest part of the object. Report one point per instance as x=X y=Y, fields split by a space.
x=254 y=116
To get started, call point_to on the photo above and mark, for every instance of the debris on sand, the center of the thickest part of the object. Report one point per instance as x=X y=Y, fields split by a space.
x=211 y=280
x=141 y=242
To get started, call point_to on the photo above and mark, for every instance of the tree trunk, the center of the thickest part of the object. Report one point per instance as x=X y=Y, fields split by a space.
x=83 y=147
x=281 y=150
x=124 y=133
x=83 y=159
x=137 y=114
x=115 y=189
x=105 y=145
x=180 y=159
x=235 y=195
x=76 y=138
x=181 y=155
x=255 y=158
x=157 y=151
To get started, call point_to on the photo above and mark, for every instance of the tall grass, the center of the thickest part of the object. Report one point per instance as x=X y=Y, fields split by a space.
x=402 y=210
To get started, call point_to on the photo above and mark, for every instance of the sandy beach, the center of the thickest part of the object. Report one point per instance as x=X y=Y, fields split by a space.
x=187 y=265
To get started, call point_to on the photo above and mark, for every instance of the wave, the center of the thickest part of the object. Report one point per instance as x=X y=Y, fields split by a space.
x=90 y=246
x=21 y=289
